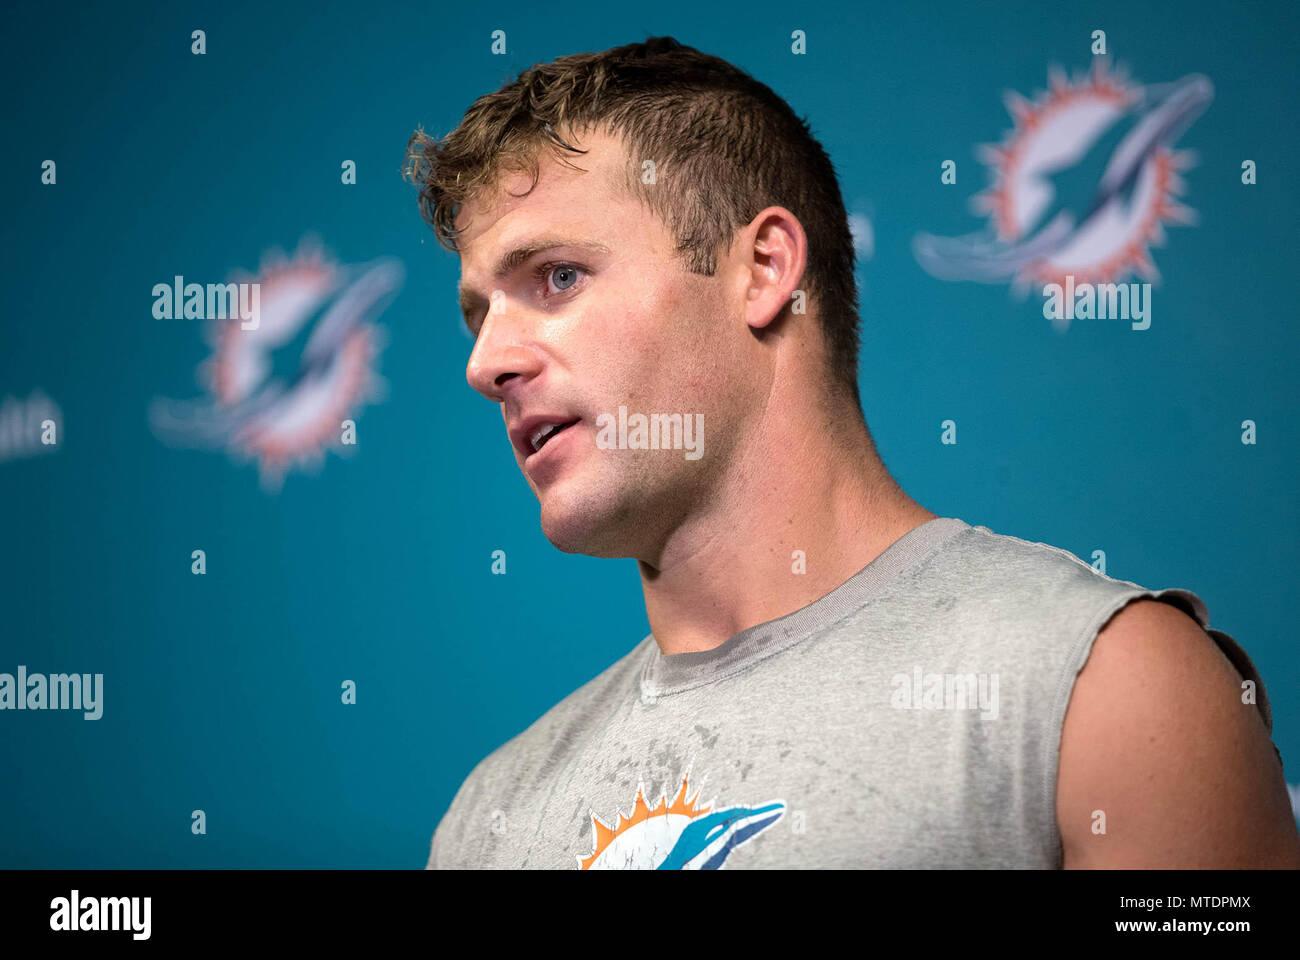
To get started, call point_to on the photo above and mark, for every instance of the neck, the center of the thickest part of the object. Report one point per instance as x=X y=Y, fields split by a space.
x=733 y=563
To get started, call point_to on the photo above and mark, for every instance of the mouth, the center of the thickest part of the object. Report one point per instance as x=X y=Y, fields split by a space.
x=547 y=432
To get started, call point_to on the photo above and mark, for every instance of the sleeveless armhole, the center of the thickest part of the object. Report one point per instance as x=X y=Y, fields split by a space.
x=1184 y=600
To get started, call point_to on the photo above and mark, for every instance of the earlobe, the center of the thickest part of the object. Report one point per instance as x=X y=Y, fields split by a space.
x=758 y=291
x=778 y=252
x=760 y=313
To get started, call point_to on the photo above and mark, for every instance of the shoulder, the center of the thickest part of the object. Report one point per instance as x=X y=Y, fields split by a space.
x=1156 y=748
x=996 y=563
x=1023 y=555
x=518 y=765
x=1165 y=756
x=1036 y=602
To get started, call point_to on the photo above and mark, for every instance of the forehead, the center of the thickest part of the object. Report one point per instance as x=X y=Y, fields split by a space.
x=584 y=197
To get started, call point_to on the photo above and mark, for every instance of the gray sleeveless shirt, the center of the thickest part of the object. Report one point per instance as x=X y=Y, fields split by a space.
x=911 y=718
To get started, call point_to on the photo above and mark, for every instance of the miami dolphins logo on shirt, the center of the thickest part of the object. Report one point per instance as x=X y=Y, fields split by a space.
x=676 y=835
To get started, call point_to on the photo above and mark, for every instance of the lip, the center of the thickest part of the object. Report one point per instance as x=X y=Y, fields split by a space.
x=521 y=433
x=546 y=457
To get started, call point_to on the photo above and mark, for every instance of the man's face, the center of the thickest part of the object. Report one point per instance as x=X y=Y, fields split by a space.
x=604 y=315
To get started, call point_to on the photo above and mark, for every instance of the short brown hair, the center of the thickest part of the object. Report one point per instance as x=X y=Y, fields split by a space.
x=728 y=145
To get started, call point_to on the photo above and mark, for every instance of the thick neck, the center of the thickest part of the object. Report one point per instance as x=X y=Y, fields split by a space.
x=733 y=563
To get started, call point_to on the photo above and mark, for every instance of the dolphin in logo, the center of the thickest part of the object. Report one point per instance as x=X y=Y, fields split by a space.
x=708 y=840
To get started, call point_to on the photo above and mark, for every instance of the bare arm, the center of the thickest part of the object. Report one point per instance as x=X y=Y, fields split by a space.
x=1157 y=739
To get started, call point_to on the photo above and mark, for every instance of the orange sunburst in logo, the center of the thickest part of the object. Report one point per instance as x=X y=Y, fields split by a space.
x=643 y=817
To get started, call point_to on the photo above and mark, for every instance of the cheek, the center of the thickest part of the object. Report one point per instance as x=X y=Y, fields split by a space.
x=670 y=319
x=691 y=338
x=652 y=344
x=626 y=341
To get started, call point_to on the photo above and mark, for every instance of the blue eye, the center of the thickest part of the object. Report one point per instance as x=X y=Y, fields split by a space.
x=558 y=277
x=569 y=275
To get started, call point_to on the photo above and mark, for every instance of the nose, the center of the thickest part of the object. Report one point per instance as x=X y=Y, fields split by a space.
x=502 y=354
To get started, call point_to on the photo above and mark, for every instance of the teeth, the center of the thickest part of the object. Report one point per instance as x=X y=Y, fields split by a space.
x=541 y=434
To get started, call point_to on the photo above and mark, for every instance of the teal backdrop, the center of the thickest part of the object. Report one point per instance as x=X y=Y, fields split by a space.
x=222 y=691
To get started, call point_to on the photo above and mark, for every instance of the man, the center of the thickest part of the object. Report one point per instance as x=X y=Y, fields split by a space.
x=657 y=268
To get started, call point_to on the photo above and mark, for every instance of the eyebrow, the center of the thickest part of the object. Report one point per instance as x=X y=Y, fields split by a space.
x=514 y=259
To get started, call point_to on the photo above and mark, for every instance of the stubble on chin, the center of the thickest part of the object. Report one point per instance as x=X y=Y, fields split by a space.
x=582 y=522
x=610 y=517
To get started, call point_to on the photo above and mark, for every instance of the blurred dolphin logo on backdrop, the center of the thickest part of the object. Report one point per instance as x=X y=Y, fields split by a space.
x=1126 y=182
x=279 y=391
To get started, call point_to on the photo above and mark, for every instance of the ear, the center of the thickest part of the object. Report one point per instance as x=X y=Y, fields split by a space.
x=774 y=256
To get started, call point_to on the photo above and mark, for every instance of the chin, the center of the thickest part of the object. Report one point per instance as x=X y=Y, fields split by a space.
x=598 y=524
